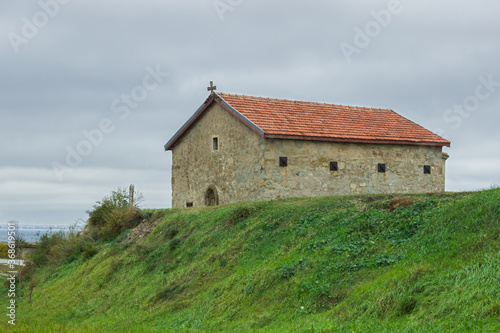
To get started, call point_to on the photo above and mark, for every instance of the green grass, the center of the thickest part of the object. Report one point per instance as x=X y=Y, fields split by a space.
x=332 y=264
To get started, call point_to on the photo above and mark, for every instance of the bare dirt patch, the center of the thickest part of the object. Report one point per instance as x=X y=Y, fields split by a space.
x=402 y=202
x=142 y=230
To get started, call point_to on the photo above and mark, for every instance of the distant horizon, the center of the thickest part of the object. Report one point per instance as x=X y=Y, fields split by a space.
x=41 y=226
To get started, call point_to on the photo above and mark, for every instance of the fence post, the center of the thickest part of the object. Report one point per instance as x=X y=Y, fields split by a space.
x=131 y=195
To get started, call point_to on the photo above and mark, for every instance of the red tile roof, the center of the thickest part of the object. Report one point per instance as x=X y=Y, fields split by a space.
x=279 y=118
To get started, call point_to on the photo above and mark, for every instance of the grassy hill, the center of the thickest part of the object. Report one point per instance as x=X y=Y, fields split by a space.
x=378 y=263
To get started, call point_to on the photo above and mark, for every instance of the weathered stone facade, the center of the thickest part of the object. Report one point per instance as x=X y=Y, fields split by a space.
x=245 y=166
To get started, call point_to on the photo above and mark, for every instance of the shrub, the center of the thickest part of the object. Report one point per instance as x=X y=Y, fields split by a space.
x=52 y=249
x=56 y=247
x=4 y=250
x=113 y=215
x=89 y=251
x=108 y=218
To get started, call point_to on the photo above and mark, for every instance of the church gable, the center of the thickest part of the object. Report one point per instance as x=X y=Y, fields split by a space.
x=214 y=129
x=214 y=151
x=214 y=99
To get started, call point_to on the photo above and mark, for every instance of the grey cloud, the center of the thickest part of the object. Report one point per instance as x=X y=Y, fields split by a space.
x=66 y=78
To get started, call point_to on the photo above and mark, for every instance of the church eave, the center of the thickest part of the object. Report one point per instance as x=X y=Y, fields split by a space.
x=186 y=126
x=357 y=140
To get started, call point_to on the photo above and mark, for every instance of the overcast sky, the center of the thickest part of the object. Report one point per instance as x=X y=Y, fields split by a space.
x=90 y=91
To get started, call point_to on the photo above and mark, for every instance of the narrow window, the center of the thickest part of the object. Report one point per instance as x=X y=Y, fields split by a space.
x=283 y=161
x=334 y=166
x=381 y=167
x=216 y=143
x=427 y=169
x=189 y=204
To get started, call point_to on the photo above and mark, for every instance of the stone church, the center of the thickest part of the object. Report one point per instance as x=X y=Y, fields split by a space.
x=240 y=148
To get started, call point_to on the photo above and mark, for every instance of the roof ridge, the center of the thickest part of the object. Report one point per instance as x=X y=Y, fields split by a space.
x=361 y=108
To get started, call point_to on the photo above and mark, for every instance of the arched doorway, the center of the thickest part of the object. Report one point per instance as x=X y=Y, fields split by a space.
x=211 y=197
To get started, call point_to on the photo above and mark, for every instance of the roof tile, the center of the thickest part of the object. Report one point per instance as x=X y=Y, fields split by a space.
x=319 y=121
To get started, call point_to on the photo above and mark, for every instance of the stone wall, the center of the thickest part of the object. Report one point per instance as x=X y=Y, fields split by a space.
x=232 y=170
x=308 y=171
x=246 y=166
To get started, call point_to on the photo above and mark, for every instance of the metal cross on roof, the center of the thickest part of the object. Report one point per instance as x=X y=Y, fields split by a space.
x=212 y=87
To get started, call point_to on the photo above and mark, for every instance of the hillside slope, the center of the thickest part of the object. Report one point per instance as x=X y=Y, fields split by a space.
x=379 y=263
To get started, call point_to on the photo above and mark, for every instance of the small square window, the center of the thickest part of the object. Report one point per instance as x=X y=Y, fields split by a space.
x=283 y=161
x=189 y=204
x=427 y=169
x=381 y=167
x=334 y=166
x=216 y=143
